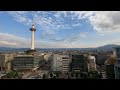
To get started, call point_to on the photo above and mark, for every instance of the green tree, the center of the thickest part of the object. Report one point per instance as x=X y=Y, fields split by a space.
x=71 y=74
x=57 y=74
x=51 y=75
x=12 y=74
x=54 y=77
x=76 y=75
x=44 y=76
x=94 y=75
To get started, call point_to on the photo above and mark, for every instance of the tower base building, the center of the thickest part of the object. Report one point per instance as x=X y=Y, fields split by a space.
x=30 y=52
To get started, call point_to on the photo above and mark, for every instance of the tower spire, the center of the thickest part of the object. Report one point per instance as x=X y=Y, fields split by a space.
x=33 y=24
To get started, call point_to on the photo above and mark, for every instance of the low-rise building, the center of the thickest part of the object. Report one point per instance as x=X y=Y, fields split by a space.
x=5 y=61
x=47 y=56
x=91 y=63
x=25 y=62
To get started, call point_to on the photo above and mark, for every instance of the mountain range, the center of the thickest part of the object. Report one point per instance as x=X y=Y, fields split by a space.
x=108 y=47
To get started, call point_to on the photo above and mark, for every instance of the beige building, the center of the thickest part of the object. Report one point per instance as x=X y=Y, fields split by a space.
x=47 y=56
x=65 y=63
x=91 y=63
x=60 y=63
x=5 y=61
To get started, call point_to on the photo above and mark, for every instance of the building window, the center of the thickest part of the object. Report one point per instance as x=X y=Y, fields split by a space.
x=92 y=60
x=119 y=70
x=119 y=76
x=65 y=57
x=118 y=61
x=118 y=53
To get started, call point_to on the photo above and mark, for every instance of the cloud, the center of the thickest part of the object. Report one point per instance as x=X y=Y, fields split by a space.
x=76 y=24
x=6 y=43
x=71 y=38
x=102 y=21
x=21 y=17
x=43 y=20
x=102 y=34
x=105 y=21
x=83 y=34
x=51 y=22
x=9 y=40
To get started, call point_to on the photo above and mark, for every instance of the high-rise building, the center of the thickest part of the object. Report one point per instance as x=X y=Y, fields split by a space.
x=60 y=63
x=117 y=63
x=56 y=63
x=77 y=62
x=65 y=63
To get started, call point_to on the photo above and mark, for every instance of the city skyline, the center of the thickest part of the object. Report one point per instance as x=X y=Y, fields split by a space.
x=59 y=29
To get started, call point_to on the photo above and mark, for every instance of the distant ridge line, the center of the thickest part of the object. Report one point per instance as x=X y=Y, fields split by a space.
x=108 y=47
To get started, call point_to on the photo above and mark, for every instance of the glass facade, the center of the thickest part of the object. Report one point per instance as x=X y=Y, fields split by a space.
x=118 y=52
x=25 y=62
x=77 y=62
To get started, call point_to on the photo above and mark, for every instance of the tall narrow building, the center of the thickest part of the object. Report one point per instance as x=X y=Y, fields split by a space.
x=32 y=37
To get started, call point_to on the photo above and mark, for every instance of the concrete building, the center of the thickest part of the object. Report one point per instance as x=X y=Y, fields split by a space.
x=77 y=62
x=5 y=61
x=47 y=56
x=110 y=74
x=117 y=63
x=25 y=62
x=56 y=63
x=91 y=63
x=60 y=63
x=65 y=63
x=45 y=62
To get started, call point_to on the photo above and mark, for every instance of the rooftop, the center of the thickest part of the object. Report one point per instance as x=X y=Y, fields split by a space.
x=24 y=56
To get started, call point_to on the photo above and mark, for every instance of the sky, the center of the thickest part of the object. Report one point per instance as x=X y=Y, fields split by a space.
x=59 y=29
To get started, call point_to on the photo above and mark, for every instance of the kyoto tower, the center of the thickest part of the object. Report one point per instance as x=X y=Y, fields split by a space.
x=32 y=50
x=32 y=29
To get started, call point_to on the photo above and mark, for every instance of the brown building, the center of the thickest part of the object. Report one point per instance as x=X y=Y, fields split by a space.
x=110 y=74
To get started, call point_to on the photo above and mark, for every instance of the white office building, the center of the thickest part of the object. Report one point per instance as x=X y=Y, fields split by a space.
x=91 y=63
x=60 y=63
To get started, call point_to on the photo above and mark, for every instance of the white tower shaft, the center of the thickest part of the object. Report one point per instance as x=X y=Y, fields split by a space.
x=32 y=41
